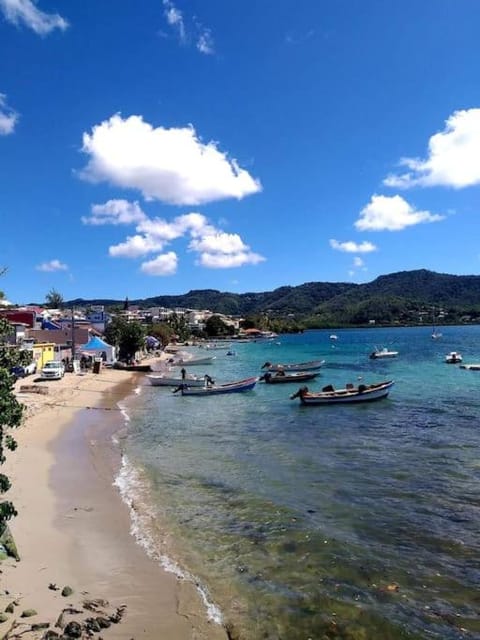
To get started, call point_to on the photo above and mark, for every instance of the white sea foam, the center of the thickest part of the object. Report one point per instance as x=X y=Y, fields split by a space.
x=131 y=485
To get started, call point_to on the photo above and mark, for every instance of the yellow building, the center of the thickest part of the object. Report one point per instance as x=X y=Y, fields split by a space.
x=43 y=352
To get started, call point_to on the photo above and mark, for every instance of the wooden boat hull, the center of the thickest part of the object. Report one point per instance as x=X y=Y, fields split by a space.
x=169 y=381
x=291 y=376
x=180 y=362
x=362 y=393
x=313 y=365
x=231 y=387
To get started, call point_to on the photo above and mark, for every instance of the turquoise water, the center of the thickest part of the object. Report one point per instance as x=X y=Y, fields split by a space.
x=344 y=522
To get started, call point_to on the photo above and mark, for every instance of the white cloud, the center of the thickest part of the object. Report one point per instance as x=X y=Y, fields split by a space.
x=25 y=12
x=115 y=212
x=163 y=265
x=194 y=32
x=205 y=42
x=453 y=156
x=353 y=247
x=194 y=223
x=391 y=213
x=8 y=117
x=358 y=262
x=219 y=243
x=223 y=250
x=52 y=265
x=170 y=165
x=135 y=246
x=228 y=260
x=174 y=18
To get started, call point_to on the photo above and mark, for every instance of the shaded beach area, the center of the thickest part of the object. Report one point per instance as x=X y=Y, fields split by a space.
x=79 y=562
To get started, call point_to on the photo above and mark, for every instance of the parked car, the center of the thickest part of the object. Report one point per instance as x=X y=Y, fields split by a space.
x=20 y=371
x=53 y=370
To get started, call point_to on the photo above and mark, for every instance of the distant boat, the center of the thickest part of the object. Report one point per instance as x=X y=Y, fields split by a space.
x=281 y=377
x=299 y=366
x=349 y=395
x=436 y=334
x=230 y=387
x=333 y=337
x=470 y=367
x=453 y=357
x=382 y=353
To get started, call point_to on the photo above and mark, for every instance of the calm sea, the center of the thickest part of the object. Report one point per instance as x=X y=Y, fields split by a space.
x=351 y=522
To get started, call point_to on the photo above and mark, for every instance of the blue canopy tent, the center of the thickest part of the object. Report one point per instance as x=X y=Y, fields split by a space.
x=97 y=347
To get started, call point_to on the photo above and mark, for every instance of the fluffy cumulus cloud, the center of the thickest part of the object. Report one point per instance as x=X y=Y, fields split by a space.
x=52 y=265
x=391 y=213
x=162 y=265
x=453 y=156
x=25 y=12
x=170 y=165
x=215 y=248
x=8 y=117
x=115 y=212
x=353 y=247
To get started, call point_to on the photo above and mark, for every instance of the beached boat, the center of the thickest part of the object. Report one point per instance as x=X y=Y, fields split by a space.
x=313 y=365
x=167 y=379
x=280 y=377
x=189 y=361
x=140 y=368
x=349 y=395
x=382 y=353
x=211 y=390
x=453 y=357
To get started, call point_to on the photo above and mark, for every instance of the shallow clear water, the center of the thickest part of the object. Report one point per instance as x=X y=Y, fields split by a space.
x=357 y=521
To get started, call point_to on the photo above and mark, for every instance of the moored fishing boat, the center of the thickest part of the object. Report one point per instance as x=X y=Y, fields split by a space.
x=349 y=395
x=281 y=377
x=382 y=353
x=313 y=365
x=211 y=390
x=453 y=357
x=189 y=361
x=167 y=379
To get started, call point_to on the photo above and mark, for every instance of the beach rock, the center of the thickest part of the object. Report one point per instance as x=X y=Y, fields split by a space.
x=103 y=622
x=73 y=630
x=28 y=613
x=67 y=591
x=50 y=635
x=3 y=617
x=10 y=608
x=92 y=625
x=40 y=625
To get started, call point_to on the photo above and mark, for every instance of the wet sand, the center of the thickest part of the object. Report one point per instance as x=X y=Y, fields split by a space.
x=73 y=528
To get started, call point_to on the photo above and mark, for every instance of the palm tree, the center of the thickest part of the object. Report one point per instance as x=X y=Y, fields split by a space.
x=54 y=299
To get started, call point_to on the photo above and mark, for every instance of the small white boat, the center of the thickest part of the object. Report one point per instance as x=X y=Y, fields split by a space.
x=313 y=365
x=170 y=380
x=212 y=389
x=470 y=367
x=189 y=361
x=436 y=334
x=349 y=395
x=333 y=337
x=382 y=353
x=453 y=357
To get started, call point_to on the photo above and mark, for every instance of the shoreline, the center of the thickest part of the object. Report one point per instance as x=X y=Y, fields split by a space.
x=73 y=528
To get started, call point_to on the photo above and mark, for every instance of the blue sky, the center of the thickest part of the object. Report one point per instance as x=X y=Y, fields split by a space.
x=155 y=147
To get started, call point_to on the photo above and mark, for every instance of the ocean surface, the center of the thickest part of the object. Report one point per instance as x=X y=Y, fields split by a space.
x=350 y=522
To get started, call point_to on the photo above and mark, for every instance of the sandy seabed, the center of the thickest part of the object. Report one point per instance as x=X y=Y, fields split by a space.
x=73 y=529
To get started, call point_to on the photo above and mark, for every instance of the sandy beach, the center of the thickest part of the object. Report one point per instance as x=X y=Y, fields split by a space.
x=73 y=530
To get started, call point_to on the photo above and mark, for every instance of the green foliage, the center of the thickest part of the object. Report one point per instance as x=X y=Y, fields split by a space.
x=54 y=299
x=215 y=327
x=129 y=337
x=162 y=331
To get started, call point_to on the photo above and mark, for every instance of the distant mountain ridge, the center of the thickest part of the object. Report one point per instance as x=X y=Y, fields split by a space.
x=352 y=303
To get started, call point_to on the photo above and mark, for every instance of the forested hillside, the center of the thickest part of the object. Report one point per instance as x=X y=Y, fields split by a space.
x=403 y=297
